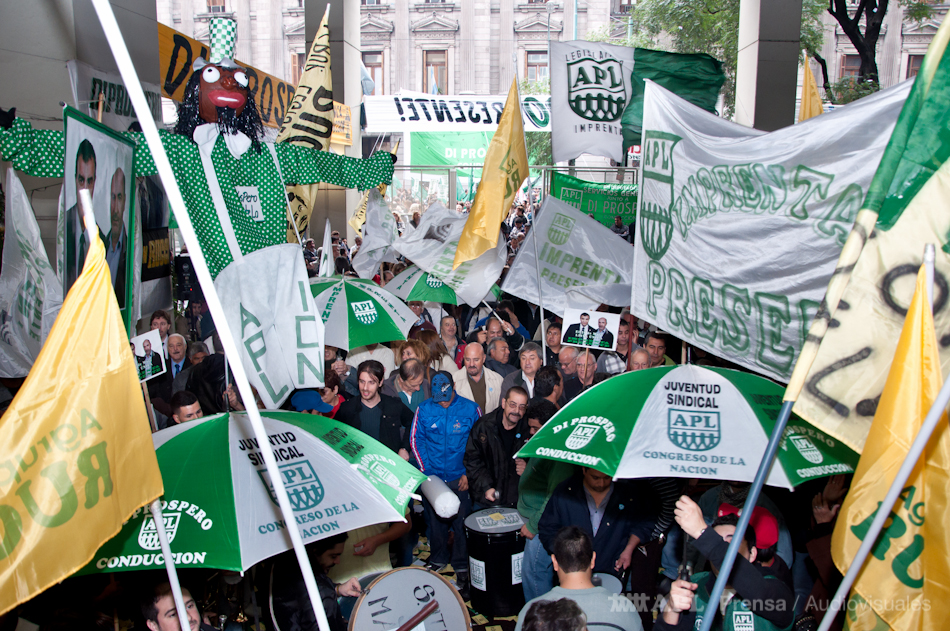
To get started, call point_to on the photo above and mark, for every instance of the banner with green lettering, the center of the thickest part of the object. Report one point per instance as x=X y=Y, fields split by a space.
x=739 y=231
x=603 y=201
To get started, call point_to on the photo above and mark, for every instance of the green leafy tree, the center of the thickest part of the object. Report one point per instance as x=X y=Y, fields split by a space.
x=700 y=26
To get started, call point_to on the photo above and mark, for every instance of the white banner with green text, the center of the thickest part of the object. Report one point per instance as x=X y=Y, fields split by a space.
x=739 y=230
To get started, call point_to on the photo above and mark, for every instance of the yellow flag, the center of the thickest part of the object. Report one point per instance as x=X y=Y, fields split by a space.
x=309 y=119
x=905 y=580
x=811 y=100
x=505 y=168
x=76 y=454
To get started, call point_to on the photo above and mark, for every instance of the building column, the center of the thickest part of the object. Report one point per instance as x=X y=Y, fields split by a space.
x=767 y=68
x=507 y=67
x=402 y=59
x=465 y=59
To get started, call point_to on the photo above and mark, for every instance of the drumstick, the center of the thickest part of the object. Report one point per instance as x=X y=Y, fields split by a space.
x=424 y=613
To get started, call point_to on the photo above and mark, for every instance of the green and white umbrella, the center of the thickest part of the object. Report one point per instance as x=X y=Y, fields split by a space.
x=358 y=312
x=687 y=422
x=219 y=506
x=415 y=284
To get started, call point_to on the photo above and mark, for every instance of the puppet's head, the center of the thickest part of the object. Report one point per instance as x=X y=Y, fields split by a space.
x=217 y=91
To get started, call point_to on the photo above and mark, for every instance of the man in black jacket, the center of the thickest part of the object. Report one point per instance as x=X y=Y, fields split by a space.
x=495 y=438
x=380 y=416
x=762 y=599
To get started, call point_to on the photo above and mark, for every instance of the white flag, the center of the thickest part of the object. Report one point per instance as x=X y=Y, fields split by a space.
x=30 y=292
x=432 y=247
x=574 y=249
x=327 y=263
x=738 y=230
x=590 y=88
x=379 y=232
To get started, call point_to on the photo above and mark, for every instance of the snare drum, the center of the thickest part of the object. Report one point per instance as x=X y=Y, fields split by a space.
x=395 y=597
x=495 y=551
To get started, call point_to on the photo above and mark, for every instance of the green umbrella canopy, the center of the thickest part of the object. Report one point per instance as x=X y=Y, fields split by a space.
x=219 y=506
x=415 y=284
x=357 y=312
x=687 y=422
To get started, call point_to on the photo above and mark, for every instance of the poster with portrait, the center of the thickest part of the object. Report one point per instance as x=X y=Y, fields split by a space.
x=587 y=328
x=100 y=160
x=149 y=358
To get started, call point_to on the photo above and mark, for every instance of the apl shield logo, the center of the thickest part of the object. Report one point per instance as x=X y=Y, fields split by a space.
x=581 y=435
x=743 y=621
x=365 y=311
x=693 y=430
x=597 y=90
x=433 y=282
x=560 y=230
x=303 y=486
x=656 y=224
x=807 y=449
x=148 y=533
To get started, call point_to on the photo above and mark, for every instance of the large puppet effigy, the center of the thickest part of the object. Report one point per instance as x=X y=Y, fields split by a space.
x=233 y=184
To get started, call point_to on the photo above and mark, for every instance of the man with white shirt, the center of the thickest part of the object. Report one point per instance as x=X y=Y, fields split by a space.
x=477 y=383
x=580 y=332
x=378 y=352
x=177 y=354
x=530 y=358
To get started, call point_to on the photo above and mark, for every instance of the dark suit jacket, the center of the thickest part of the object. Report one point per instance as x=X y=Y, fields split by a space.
x=631 y=510
x=119 y=281
x=394 y=426
x=574 y=331
x=72 y=259
x=607 y=340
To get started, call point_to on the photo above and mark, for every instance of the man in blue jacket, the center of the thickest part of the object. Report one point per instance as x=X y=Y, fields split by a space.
x=439 y=434
x=617 y=516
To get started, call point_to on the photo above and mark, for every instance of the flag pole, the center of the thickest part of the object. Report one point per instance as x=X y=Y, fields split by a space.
x=177 y=203
x=746 y=514
x=884 y=512
x=537 y=264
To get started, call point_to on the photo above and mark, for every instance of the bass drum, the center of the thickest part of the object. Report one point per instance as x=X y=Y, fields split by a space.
x=393 y=598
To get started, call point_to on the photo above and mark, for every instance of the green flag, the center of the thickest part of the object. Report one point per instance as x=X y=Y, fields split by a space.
x=696 y=78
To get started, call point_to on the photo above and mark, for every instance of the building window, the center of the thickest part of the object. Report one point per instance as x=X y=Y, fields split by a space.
x=537 y=1
x=364 y=2
x=216 y=6
x=850 y=66
x=374 y=66
x=537 y=65
x=436 y=77
x=434 y=1
x=297 y=61
x=913 y=65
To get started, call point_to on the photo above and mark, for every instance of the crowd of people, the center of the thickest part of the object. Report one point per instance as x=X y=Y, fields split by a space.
x=458 y=400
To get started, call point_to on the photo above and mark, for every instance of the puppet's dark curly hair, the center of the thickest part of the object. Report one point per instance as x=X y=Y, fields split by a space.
x=248 y=123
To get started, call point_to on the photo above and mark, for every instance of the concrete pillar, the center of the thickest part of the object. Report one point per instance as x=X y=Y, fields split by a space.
x=401 y=57
x=345 y=56
x=506 y=45
x=464 y=60
x=767 y=68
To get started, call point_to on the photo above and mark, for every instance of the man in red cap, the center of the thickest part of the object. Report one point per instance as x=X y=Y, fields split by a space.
x=755 y=598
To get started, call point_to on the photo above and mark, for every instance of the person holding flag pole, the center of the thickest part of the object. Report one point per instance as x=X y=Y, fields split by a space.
x=911 y=177
x=137 y=97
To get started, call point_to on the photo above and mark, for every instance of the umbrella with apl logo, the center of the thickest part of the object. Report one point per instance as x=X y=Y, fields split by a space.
x=357 y=312
x=415 y=284
x=220 y=509
x=686 y=422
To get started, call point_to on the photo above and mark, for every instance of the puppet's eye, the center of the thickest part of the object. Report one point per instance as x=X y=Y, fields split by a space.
x=211 y=74
x=241 y=78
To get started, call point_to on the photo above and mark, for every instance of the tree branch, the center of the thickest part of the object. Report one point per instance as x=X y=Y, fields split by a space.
x=826 y=84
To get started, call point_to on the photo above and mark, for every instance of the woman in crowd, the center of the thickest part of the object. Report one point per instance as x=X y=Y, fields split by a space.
x=449 y=332
x=439 y=358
